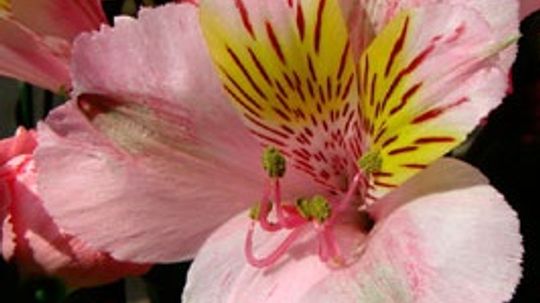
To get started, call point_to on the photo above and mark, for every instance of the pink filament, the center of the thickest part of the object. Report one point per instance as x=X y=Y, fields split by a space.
x=265 y=210
x=273 y=256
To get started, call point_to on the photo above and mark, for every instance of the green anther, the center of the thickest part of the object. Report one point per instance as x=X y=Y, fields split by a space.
x=316 y=208
x=274 y=163
x=255 y=211
x=370 y=162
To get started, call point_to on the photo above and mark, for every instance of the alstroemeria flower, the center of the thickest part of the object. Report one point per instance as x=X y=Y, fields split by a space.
x=152 y=130
x=36 y=38
x=31 y=239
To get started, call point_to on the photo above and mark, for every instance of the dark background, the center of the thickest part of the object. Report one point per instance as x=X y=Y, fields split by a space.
x=506 y=149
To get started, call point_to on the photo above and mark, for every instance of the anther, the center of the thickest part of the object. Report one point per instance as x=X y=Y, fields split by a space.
x=316 y=208
x=370 y=162
x=274 y=163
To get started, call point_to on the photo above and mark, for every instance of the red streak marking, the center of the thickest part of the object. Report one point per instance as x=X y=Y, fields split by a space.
x=338 y=89
x=372 y=91
x=409 y=69
x=310 y=88
x=290 y=3
x=402 y=150
x=348 y=123
x=381 y=174
x=260 y=67
x=283 y=103
x=308 y=131
x=300 y=22
x=324 y=174
x=246 y=73
x=314 y=120
x=266 y=127
x=389 y=141
x=428 y=140
x=325 y=126
x=345 y=109
x=347 y=88
x=380 y=133
x=311 y=68
x=245 y=17
x=318 y=26
x=414 y=166
x=240 y=102
x=288 y=80
x=301 y=155
x=329 y=88
x=398 y=47
x=382 y=184
x=274 y=42
x=434 y=113
x=287 y=129
x=267 y=138
x=281 y=89
x=406 y=98
x=282 y=114
x=321 y=95
x=366 y=73
x=343 y=60
x=304 y=164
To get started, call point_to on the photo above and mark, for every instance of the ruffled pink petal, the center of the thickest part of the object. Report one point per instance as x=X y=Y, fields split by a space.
x=31 y=239
x=454 y=242
x=26 y=56
x=151 y=150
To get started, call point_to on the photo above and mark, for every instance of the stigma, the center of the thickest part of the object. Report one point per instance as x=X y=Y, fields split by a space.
x=317 y=214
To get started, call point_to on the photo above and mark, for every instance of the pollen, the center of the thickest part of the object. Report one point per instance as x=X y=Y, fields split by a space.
x=370 y=162
x=316 y=208
x=274 y=163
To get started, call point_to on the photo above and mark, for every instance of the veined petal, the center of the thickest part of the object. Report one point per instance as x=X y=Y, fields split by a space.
x=287 y=67
x=59 y=18
x=501 y=15
x=456 y=243
x=159 y=145
x=427 y=80
x=27 y=56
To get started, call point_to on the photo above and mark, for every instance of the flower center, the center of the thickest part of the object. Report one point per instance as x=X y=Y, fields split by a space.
x=318 y=212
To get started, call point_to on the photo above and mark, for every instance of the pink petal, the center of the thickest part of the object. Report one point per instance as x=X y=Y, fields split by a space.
x=526 y=7
x=501 y=15
x=430 y=76
x=165 y=152
x=26 y=56
x=59 y=18
x=36 y=37
x=454 y=242
x=23 y=143
x=31 y=239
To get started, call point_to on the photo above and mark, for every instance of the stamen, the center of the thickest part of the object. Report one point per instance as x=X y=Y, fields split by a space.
x=273 y=256
x=274 y=163
x=370 y=163
x=316 y=208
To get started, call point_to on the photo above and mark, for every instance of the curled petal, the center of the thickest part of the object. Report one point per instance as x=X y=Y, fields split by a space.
x=32 y=240
x=453 y=243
